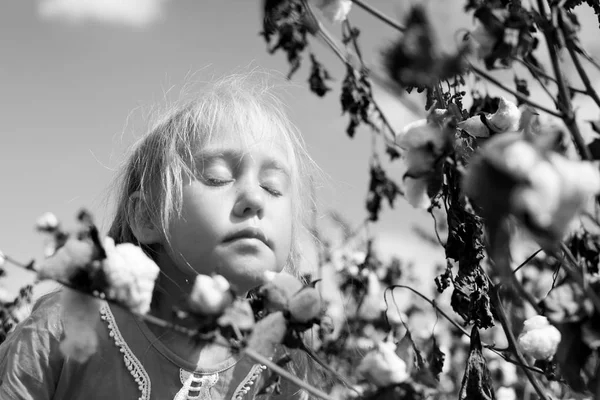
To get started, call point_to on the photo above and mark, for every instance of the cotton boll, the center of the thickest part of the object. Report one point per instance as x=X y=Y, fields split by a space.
x=210 y=295
x=334 y=10
x=79 y=315
x=506 y=393
x=73 y=256
x=382 y=366
x=415 y=192
x=506 y=118
x=47 y=222
x=130 y=275
x=539 y=338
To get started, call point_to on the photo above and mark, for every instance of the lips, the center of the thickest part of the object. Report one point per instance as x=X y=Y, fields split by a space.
x=248 y=233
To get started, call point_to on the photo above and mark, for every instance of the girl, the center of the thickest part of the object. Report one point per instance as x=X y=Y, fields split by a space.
x=220 y=185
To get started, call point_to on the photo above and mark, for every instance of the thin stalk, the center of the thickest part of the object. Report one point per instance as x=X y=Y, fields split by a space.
x=564 y=100
x=487 y=346
x=582 y=73
x=328 y=39
x=194 y=334
x=538 y=72
x=518 y=95
x=379 y=15
x=259 y=358
x=512 y=343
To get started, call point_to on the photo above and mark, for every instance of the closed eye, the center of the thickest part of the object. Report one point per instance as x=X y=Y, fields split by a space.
x=216 y=181
x=272 y=191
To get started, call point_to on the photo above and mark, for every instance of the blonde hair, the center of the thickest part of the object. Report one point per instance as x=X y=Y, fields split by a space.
x=245 y=104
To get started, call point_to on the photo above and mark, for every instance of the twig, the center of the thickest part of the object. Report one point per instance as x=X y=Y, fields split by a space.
x=512 y=342
x=527 y=260
x=331 y=43
x=518 y=95
x=564 y=100
x=259 y=358
x=378 y=14
x=538 y=72
x=582 y=73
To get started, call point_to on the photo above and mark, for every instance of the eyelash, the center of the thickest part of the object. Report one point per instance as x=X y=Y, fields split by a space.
x=272 y=192
x=221 y=182
x=217 y=182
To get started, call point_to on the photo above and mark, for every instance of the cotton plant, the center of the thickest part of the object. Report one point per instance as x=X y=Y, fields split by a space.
x=543 y=189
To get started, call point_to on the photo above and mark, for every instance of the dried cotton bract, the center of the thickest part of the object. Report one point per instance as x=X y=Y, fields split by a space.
x=382 y=366
x=334 y=10
x=130 y=275
x=539 y=338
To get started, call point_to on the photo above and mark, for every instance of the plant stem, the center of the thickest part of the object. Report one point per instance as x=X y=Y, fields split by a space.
x=259 y=358
x=512 y=342
x=564 y=100
x=328 y=39
x=518 y=95
x=582 y=73
x=378 y=14
x=433 y=304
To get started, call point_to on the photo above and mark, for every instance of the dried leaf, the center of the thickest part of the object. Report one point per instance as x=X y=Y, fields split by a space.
x=477 y=381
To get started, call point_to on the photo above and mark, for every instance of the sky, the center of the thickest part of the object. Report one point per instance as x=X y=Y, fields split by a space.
x=79 y=80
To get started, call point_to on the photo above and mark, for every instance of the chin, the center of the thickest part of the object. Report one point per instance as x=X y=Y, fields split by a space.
x=244 y=277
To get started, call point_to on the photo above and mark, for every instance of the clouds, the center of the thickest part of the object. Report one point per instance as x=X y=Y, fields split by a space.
x=136 y=13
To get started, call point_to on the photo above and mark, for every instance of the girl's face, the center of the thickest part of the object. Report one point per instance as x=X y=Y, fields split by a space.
x=236 y=217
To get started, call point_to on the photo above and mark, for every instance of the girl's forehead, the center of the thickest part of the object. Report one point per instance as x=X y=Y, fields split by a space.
x=247 y=141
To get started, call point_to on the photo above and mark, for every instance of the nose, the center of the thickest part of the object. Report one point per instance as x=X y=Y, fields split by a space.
x=250 y=201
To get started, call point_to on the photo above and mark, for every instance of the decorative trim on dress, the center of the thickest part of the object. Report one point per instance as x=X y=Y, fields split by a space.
x=131 y=361
x=244 y=387
x=195 y=386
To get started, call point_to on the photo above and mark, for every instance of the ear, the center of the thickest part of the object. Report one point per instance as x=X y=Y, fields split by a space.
x=141 y=221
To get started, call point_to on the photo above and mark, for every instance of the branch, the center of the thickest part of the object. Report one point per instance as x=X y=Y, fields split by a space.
x=518 y=95
x=564 y=100
x=512 y=342
x=582 y=73
x=378 y=14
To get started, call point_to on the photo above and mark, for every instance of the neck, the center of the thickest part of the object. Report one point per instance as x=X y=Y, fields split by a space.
x=170 y=291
